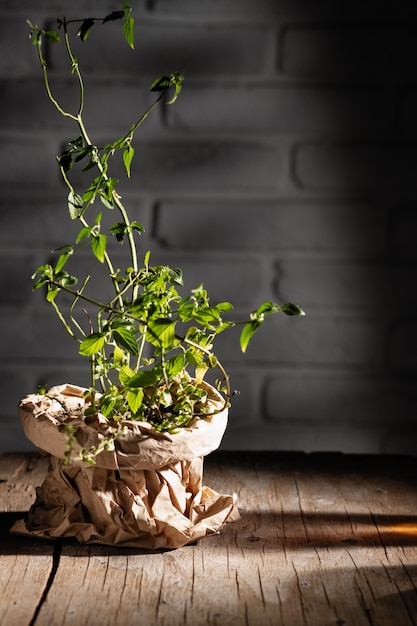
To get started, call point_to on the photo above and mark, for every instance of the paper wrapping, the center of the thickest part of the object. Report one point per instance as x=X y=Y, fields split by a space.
x=148 y=493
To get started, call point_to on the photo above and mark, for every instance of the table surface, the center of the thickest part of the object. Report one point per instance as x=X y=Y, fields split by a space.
x=322 y=539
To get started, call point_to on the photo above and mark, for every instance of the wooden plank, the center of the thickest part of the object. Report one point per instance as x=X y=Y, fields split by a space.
x=322 y=539
x=26 y=565
x=338 y=567
x=368 y=502
x=20 y=474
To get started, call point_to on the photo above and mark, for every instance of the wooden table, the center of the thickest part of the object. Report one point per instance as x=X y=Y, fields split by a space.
x=324 y=539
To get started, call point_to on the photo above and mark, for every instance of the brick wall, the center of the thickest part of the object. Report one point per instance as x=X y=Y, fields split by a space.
x=286 y=171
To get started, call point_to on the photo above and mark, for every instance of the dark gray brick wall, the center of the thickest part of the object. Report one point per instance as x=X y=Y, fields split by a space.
x=286 y=170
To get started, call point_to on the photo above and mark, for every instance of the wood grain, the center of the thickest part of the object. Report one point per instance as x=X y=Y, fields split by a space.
x=25 y=565
x=322 y=540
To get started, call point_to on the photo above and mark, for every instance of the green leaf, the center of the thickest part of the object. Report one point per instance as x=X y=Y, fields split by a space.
x=98 y=244
x=85 y=29
x=126 y=340
x=144 y=378
x=65 y=279
x=266 y=307
x=177 y=80
x=39 y=283
x=107 y=192
x=118 y=230
x=92 y=344
x=125 y=374
x=89 y=165
x=128 y=28
x=84 y=152
x=118 y=356
x=137 y=226
x=84 y=232
x=63 y=258
x=162 y=332
x=174 y=365
x=161 y=84
x=110 y=185
x=292 y=309
x=165 y=398
x=127 y=158
x=107 y=203
x=109 y=401
x=52 y=36
x=89 y=195
x=115 y=15
x=134 y=399
x=194 y=357
x=36 y=36
x=65 y=160
x=212 y=360
x=175 y=275
x=77 y=142
x=205 y=316
x=248 y=331
x=224 y=307
x=52 y=293
x=75 y=205
x=117 y=322
x=200 y=372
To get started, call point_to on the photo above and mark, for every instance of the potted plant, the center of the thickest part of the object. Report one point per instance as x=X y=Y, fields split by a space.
x=126 y=452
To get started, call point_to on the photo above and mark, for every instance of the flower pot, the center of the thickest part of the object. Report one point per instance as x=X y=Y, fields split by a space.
x=146 y=493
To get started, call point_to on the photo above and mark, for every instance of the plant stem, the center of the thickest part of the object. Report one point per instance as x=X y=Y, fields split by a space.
x=79 y=119
x=47 y=85
x=64 y=321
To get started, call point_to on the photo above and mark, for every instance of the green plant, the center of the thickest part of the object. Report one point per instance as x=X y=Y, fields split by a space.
x=149 y=347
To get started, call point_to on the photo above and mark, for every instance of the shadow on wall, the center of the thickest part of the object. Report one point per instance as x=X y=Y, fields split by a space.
x=337 y=237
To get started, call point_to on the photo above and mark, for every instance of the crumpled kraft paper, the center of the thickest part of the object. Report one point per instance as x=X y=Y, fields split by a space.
x=147 y=494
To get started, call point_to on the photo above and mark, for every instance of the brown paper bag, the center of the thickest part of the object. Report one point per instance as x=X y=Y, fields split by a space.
x=147 y=493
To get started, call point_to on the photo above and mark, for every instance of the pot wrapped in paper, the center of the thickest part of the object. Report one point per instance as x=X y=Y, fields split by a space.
x=146 y=493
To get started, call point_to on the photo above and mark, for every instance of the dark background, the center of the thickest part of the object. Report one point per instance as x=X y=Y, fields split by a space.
x=286 y=171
